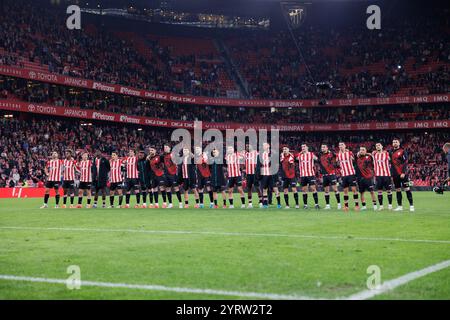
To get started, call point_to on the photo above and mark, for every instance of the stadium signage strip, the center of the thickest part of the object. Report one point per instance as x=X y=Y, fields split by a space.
x=88 y=114
x=363 y=295
x=199 y=100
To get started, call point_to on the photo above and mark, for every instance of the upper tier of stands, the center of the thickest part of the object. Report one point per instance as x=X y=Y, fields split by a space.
x=401 y=59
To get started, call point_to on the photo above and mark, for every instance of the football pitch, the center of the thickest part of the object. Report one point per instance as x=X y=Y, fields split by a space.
x=225 y=253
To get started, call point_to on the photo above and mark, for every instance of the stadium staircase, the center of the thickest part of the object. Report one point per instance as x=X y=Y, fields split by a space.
x=233 y=69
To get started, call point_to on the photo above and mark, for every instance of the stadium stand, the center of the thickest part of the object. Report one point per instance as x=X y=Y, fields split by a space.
x=410 y=63
x=413 y=62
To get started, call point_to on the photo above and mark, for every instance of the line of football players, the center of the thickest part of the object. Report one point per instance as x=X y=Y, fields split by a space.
x=148 y=176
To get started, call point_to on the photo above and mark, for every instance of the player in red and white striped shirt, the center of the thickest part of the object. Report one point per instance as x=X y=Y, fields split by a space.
x=233 y=160
x=308 y=175
x=251 y=161
x=69 y=165
x=53 y=172
x=381 y=162
x=132 y=179
x=345 y=159
x=188 y=176
x=269 y=176
x=85 y=169
x=115 y=179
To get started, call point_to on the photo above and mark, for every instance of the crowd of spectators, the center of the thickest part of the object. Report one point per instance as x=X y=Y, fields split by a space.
x=39 y=34
x=409 y=57
x=26 y=145
x=358 y=62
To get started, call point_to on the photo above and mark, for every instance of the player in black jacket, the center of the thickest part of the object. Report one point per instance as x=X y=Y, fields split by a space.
x=144 y=172
x=399 y=162
x=218 y=181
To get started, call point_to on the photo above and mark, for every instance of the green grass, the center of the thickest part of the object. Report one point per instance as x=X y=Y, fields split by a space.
x=264 y=250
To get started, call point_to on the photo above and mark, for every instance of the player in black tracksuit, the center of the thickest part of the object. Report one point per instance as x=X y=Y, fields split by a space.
x=218 y=181
x=187 y=176
x=144 y=172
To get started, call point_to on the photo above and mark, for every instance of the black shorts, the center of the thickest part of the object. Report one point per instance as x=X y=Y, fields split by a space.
x=383 y=183
x=401 y=183
x=189 y=183
x=131 y=184
x=170 y=180
x=234 y=182
x=68 y=184
x=266 y=182
x=115 y=186
x=98 y=187
x=218 y=188
x=276 y=181
x=203 y=182
x=85 y=186
x=145 y=185
x=329 y=180
x=52 y=184
x=307 y=181
x=252 y=181
x=365 y=184
x=349 y=181
x=289 y=183
x=157 y=181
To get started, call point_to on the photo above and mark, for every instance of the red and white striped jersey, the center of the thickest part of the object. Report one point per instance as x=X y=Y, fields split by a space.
x=306 y=164
x=233 y=165
x=131 y=166
x=265 y=164
x=185 y=167
x=251 y=158
x=381 y=164
x=69 y=169
x=346 y=163
x=85 y=168
x=115 y=174
x=54 y=168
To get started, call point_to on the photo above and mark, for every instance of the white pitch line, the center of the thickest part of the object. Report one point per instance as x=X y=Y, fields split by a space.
x=394 y=283
x=152 y=287
x=363 y=295
x=237 y=234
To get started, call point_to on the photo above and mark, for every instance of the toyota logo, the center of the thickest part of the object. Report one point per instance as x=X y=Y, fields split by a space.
x=31 y=108
x=32 y=74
